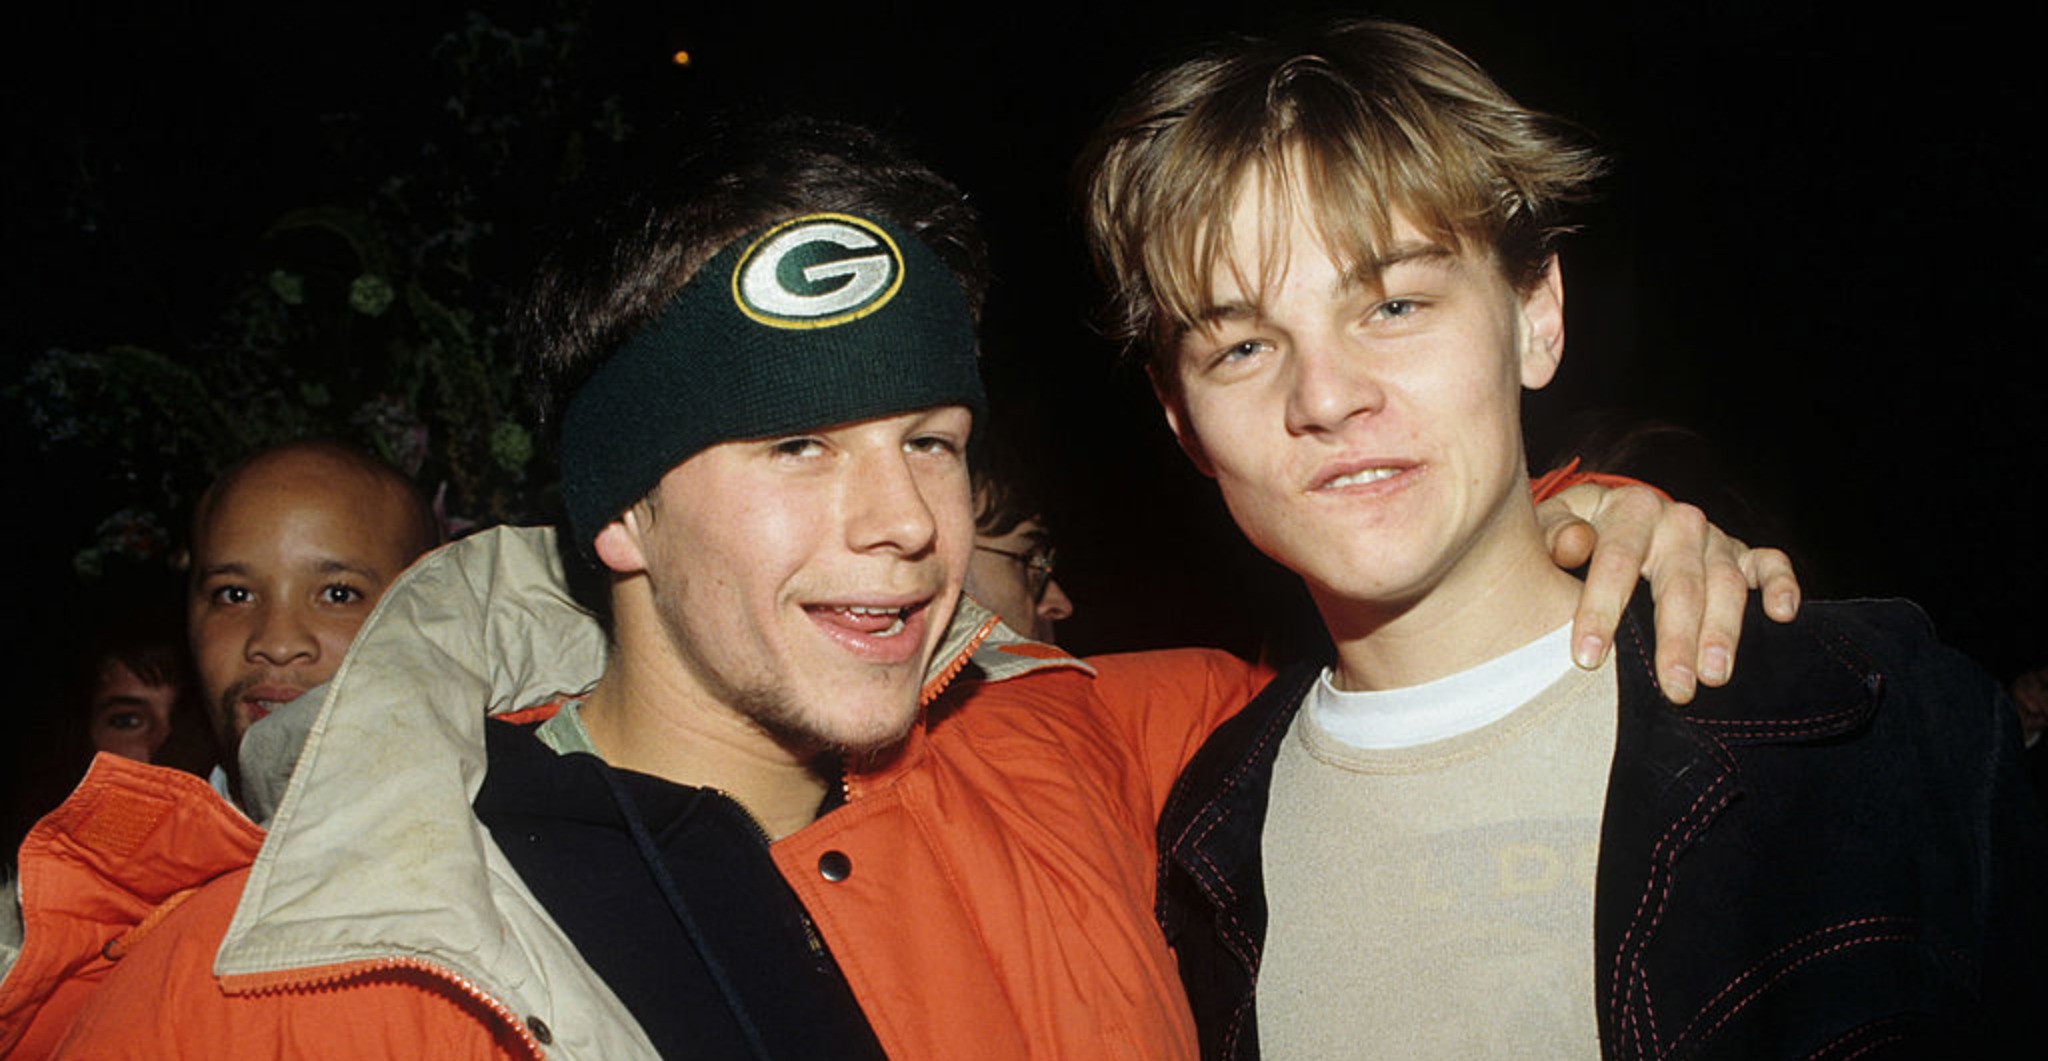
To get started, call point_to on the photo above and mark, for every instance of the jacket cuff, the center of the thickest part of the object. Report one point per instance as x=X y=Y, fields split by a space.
x=1558 y=480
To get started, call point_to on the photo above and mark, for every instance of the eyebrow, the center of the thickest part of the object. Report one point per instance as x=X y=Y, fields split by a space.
x=332 y=566
x=1367 y=272
x=326 y=566
x=1432 y=254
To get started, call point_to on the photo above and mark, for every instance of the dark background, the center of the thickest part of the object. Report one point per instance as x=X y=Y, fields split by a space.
x=1821 y=246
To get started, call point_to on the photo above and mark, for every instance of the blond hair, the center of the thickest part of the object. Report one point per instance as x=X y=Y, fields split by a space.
x=1376 y=117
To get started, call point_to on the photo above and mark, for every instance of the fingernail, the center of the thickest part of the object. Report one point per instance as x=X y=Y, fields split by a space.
x=1787 y=600
x=1680 y=684
x=1715 y=667
x=1591 y=648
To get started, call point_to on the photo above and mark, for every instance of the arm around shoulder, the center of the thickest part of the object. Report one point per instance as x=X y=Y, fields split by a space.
x=1164 y=704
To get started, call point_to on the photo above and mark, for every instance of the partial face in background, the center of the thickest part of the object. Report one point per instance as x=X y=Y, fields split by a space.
x=288 y=559
x=1362 y=418
x=130 y=717
x=2030 y=696
x=803 y=582
x=1011 y=574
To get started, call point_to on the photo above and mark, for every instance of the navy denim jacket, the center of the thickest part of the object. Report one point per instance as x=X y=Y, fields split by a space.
x=1834 y=855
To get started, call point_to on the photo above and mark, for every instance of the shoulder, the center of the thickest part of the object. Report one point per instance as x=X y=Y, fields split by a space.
x=1128 y=720
x=1206 y=676
x=1841 y=667
x=1937 y=693
x=161 y=975
x=1204 y=684
x=1887 y=646
x=1244 y=745
x=1891 y=634
x=162 y=999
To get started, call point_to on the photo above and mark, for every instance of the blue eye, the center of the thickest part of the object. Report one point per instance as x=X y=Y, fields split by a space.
x=1241 y=351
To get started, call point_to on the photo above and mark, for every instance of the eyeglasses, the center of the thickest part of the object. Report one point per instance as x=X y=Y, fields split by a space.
x=1037 y=561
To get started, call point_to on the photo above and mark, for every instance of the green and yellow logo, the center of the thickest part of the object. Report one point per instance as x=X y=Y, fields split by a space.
x=816 y=271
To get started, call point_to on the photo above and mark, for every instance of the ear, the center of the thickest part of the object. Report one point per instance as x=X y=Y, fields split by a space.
x=1543 y=327
x=618 y=545
x=1171 y=403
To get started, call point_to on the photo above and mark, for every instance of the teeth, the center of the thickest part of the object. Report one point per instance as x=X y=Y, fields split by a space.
x=872 y=612
x=1369 y=475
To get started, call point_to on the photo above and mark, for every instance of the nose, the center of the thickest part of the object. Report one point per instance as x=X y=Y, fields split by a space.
x=887 y=507
x=281 y=637
x=1054 y=605
x=1330 y=381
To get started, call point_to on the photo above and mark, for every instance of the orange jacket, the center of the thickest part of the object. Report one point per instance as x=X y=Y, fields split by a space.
x=138 y=849
x=997 y=902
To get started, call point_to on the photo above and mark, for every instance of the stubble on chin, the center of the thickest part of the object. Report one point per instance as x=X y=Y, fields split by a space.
x=776 y=713
x=770 y=705
x=228 y=724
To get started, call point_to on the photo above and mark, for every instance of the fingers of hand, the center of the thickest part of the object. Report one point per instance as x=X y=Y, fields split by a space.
x=1679 y=561
x=1571 y=542
x=1770 y=571
x=1721 y=627
x=1625 y=525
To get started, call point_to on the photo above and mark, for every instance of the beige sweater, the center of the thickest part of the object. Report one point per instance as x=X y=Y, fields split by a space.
x=1437 y=900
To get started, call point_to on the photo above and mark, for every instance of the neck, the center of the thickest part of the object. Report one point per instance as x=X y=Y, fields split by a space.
x=1484 y=608
x=643 y=717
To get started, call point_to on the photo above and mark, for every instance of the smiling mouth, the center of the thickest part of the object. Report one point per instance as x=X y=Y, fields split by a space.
x=864 y=619
x=1361 y=477
x=890 y=635
x=260 y=701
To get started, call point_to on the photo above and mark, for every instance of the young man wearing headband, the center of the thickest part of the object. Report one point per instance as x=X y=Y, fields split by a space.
x=801 y=800
x=1449 y=842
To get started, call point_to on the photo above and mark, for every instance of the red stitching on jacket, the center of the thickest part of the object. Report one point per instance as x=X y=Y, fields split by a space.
x=1787 y=971
x=1229 y=925
x=1773 y=956
x=1271 y=732
x=1661 y=871
x=1775 y=727
x=1846 y=654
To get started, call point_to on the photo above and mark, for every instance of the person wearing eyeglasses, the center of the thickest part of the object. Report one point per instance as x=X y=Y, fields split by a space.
x=1011 y=571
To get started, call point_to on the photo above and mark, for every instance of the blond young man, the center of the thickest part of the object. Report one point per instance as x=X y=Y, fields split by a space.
x=1340 y=255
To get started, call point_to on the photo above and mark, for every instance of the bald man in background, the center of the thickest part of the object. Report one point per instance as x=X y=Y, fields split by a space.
x=291 y=548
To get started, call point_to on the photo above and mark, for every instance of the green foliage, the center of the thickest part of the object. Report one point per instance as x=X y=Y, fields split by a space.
x=369 y=318
x=370 y=295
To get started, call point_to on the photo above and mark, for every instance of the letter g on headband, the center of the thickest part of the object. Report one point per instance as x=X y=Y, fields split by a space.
x=823 y=319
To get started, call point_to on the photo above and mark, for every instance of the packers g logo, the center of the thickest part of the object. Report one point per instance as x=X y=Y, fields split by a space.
x=817 y=271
